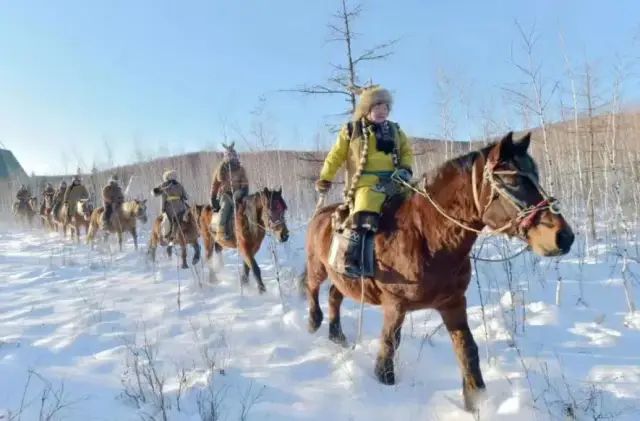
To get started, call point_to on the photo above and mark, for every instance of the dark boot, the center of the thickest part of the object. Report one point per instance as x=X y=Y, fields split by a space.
x=225 y=215
x=365 y=224
x=353 y=253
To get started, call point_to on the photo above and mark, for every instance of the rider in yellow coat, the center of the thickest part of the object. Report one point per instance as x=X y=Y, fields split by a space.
x=373 y=148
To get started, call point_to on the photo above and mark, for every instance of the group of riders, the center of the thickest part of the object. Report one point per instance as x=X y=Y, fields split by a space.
x=230 y=185
x=377 y=154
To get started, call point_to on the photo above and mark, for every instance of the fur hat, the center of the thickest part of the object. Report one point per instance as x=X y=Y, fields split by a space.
x=63 y=183
x=370 y=96
x=114 y=178
x=76 y=178
x=169 y=175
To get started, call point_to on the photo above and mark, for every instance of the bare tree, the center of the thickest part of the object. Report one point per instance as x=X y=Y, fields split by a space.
x=533 y=96
x=347 y=73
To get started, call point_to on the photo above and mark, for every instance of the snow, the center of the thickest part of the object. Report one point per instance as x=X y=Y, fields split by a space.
x=74 y=323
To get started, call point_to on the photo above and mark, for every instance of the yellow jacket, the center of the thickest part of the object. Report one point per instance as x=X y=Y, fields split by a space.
x=347 y=149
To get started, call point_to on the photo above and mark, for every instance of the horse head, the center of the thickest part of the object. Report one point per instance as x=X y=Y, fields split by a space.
x=85 y=207
x=516 y=204
x=140 y=210
x=273 y=215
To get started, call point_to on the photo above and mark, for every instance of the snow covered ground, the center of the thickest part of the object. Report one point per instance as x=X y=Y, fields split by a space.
x=104 y=335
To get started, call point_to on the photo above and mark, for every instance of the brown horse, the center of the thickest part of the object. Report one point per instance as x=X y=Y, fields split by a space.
x=422 y=256
x=81 y=217
x=255 y=215
x=124 y=220
x=59 y=218
x=186 y=232
x=46 y=212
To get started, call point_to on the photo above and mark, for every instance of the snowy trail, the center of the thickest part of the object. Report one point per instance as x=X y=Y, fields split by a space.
x=73 y=316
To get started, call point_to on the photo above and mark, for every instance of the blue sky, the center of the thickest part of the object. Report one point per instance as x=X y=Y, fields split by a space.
x=169 y=77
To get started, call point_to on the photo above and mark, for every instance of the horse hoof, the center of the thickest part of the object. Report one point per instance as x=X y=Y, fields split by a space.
x=339 y=339
x=185 y=266
x=473 y=398
x=336 y=335
x=262 y=289
x=315 y=320
x=384 y=371
x=195 y=261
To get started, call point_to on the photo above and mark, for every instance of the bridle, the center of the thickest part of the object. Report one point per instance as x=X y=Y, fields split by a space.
x=526 y=214
x=273 y=224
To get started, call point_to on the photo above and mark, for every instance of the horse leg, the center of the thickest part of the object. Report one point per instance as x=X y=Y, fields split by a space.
x=183 y=247
x=153 y=245
x=134 y=234
x=196 y=252
x=120 y=240
x=315 y=276
x=455 y=320
x=389 y=342
x=208 y=244
x=335 y=328
x=245 y=273
x=258 y=275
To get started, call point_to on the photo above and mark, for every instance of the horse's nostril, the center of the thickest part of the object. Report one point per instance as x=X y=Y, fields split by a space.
x=564 y=239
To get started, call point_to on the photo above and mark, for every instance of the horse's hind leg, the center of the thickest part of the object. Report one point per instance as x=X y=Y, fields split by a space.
x=455 y=319
x=120 y=239
x=389 y=342
x=316 y=274
x=335 y=328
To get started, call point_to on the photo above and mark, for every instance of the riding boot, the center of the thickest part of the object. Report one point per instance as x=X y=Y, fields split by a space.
x=225 y=215
x=365 y=224
x=353 y=253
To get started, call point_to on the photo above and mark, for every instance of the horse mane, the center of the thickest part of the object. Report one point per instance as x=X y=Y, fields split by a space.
x=460 y=164
x=251 y=212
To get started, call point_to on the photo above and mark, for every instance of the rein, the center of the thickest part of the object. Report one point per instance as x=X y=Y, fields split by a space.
x=526 y=214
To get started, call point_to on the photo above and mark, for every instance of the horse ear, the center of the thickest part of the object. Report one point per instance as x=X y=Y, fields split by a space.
x=265 y=190
x=503 y=150
x=522 y=145
x=233 y=145
x=279 y=191
x=224 y=145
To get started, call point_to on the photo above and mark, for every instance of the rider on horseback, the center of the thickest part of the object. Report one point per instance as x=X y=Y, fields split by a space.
x=174 y=202
x=372 y=165
x=74 y=194
x=58 y=197
x=113 y=198
x=22 y=196
x=47 y=197
x=229 y=186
